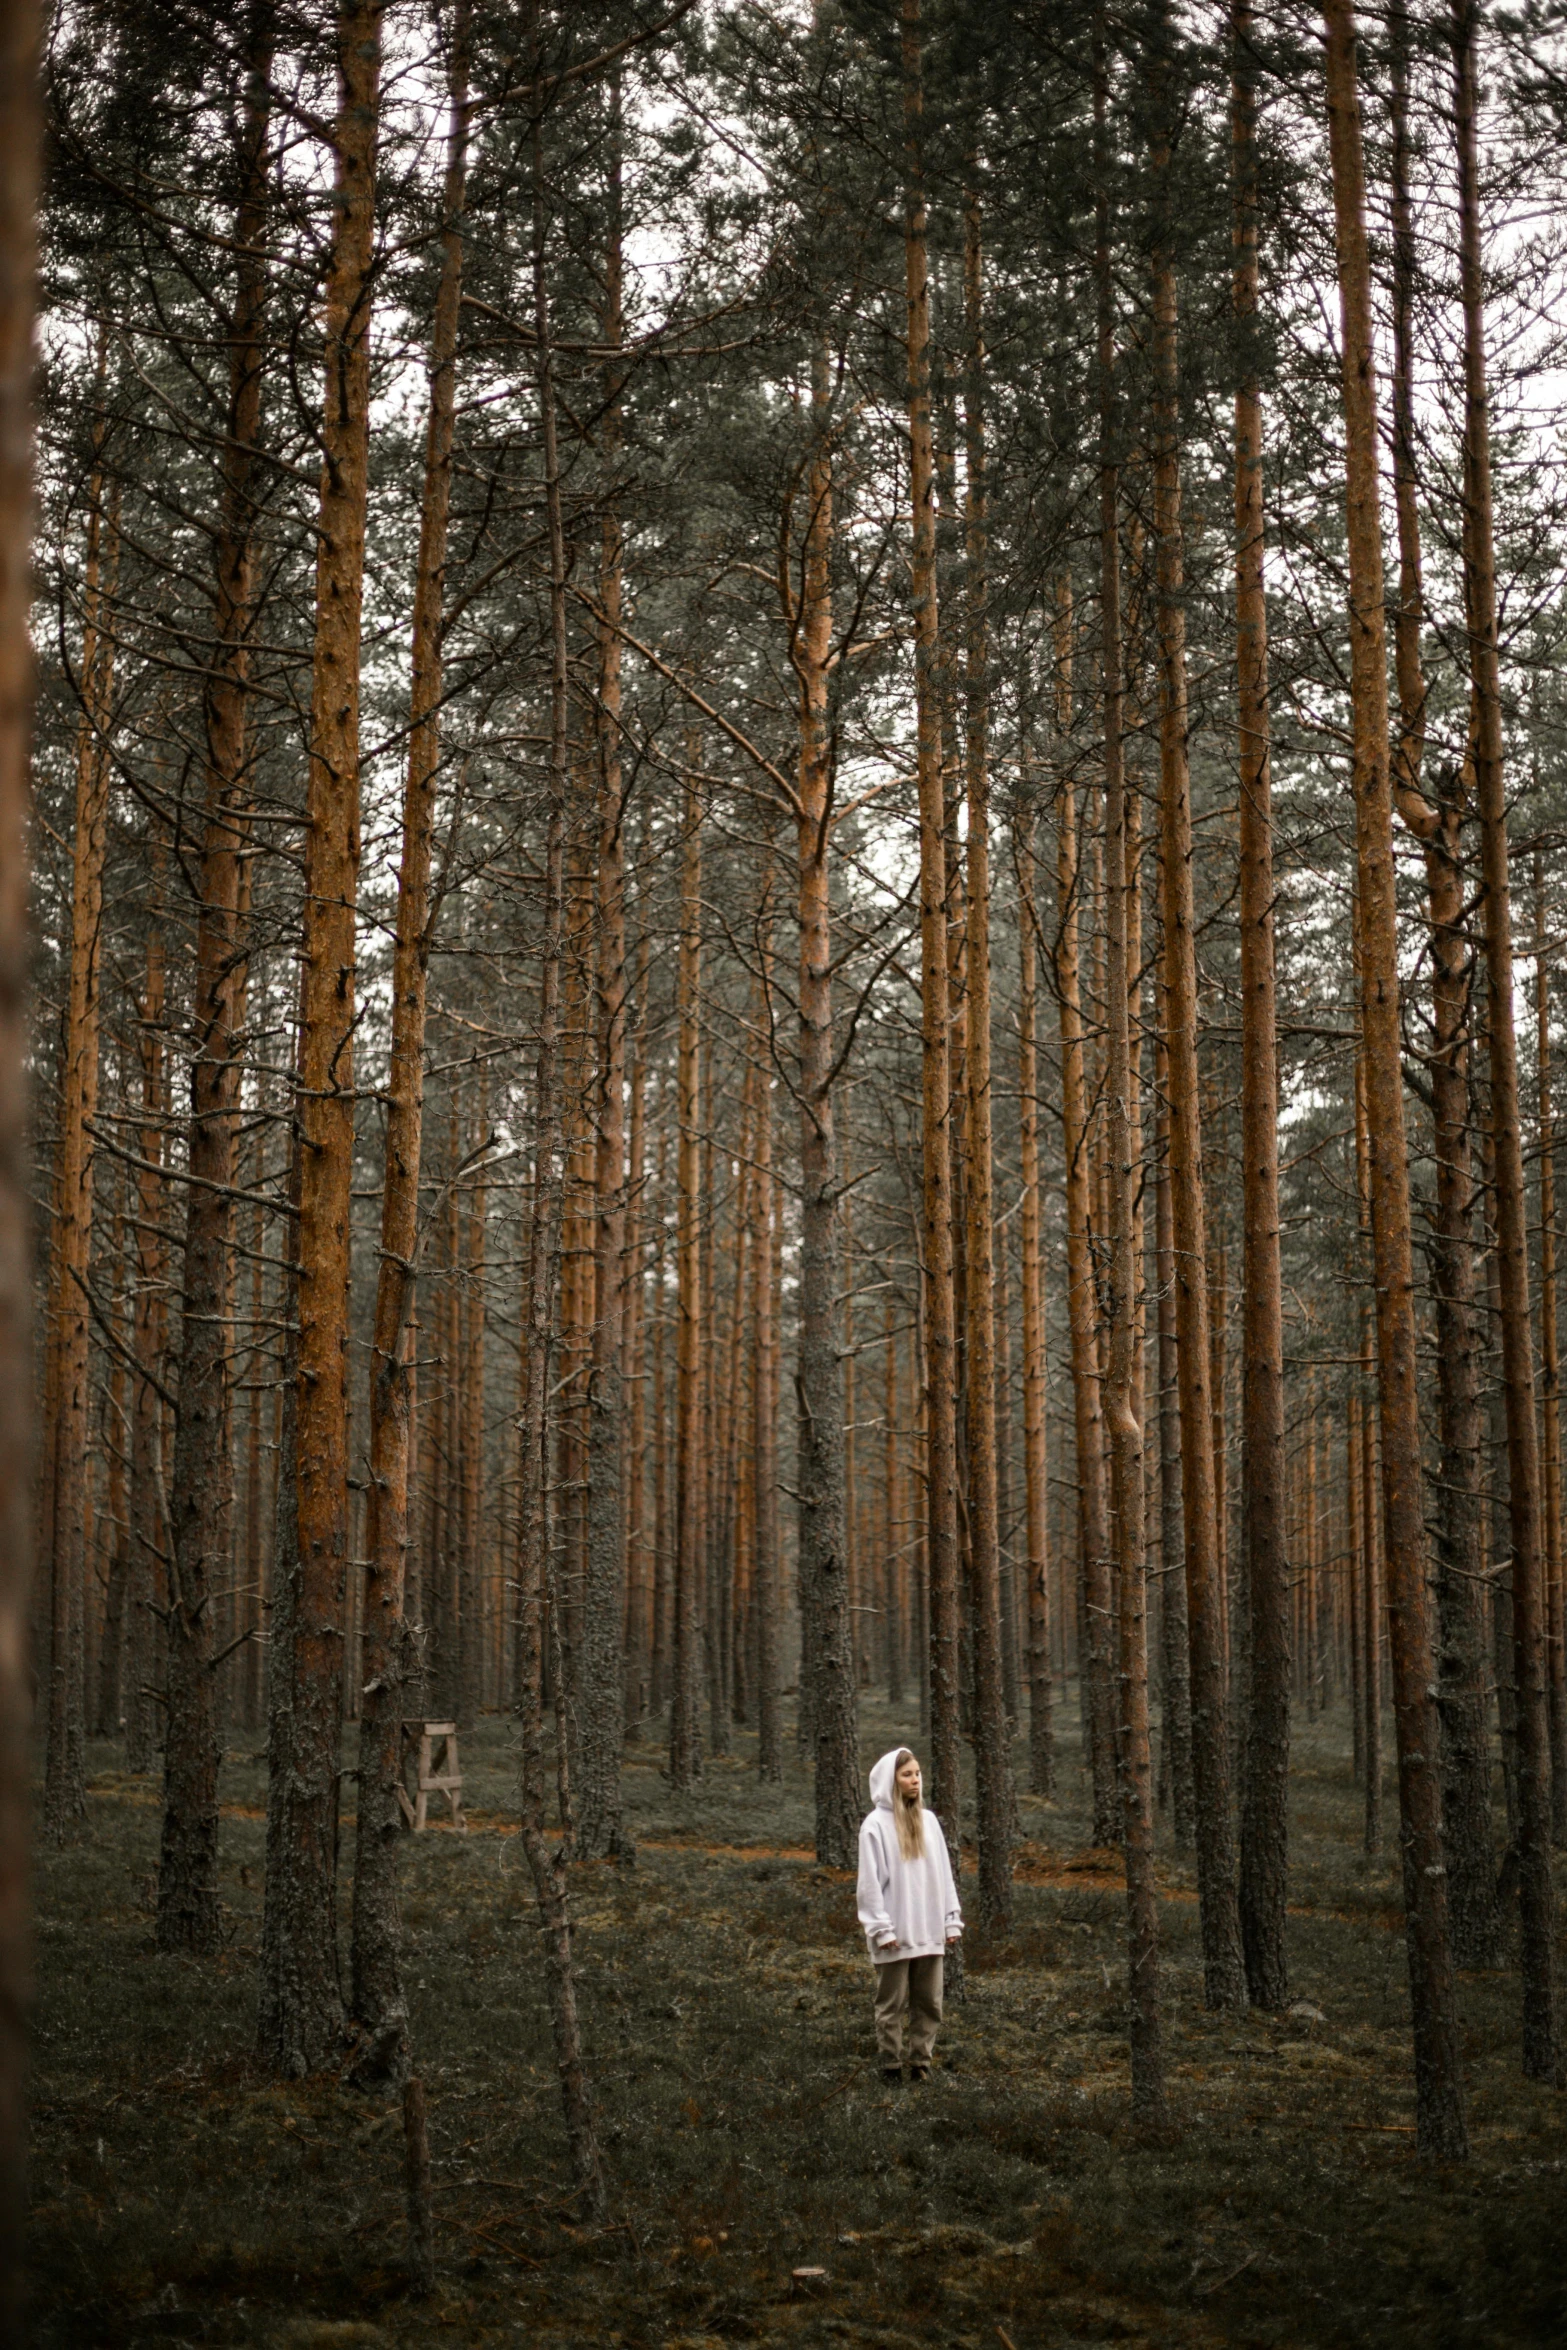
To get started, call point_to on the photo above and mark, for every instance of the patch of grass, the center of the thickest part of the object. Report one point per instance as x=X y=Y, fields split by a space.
x=180 y=2195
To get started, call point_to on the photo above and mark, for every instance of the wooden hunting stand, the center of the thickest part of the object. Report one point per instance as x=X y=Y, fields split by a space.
x=447 y=1780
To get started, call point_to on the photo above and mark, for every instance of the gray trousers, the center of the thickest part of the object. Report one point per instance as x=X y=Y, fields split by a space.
x=908 y=1987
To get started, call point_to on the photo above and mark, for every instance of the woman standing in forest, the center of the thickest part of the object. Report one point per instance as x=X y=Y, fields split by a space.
x=908 y=1904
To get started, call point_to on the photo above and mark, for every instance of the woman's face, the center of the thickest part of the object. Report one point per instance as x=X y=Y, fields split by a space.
x=909 y=1779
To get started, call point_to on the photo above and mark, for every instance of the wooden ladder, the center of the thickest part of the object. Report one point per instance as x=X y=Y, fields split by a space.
x=443 y=1780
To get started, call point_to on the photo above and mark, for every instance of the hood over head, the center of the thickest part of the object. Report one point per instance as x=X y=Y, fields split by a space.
x=882 y=1777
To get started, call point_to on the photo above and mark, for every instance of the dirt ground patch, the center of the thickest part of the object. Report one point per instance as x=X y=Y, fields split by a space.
x=181 y=2196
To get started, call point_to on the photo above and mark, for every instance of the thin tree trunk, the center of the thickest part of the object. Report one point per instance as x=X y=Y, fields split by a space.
x=710 y=1541
x=823 y=1540
x=65 y=1787
x=1036 y=1392
x=1512 y=1231
x=992 y=1757
x=302 y=2013
x=685 y=1719
x=18 y=195
x=1224 y=1971
x=1550 y=1369
x=1098 y=1695
x=1461 y=1630
x=939 y=1328
x=1438 y=2077
x=764 y=1396
x=1174 y=1632
x=378 y=1999
x=202 y=1502
x=548 y=1869
x=601 y=1824
x=895 y=1578
x=1353 y=1439
x=1006 y=1511
x=471 y=1547
x=1497 y=1560
x=1122 y=1419
x=259 y=1358
x=663 y=1571
x=1264 y=1824
x=111 y=1650
x=638 y=1650
x=144 y=1644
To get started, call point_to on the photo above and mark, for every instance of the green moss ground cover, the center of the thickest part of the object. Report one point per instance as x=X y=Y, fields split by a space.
x=179 y=2195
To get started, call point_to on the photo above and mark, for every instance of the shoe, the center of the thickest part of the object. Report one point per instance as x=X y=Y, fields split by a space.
x=892 y=2074
x=919 y=2072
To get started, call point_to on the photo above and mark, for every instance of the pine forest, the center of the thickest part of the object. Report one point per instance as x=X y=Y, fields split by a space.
x=783 y=978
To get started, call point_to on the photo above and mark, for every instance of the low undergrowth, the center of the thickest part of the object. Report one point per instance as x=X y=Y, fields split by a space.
x=180 y=2195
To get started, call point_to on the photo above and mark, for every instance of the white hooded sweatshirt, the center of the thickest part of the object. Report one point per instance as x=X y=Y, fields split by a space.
x=908 y=1908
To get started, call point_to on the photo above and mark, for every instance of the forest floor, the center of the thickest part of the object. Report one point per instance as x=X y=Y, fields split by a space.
x=179 y=2195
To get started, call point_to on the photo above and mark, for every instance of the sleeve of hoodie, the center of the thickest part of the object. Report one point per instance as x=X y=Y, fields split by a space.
x=871 y=1892
x=952 y=1908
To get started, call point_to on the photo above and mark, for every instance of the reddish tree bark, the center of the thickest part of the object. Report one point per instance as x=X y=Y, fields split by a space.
x=1533 y=1841
x=992 y=1757
x=938 y=1320
x=1224 y=1973
x=601 y=1825
x=1097 y=1687
x=1438 y=2076
x=1041 y=1738
x=202 y=1502
x=379 y=2004
x=1122 y=1398
x=1264 y=1826
x=144 y=1634
x=685 y=1717
x=66 y=1456
x=302 y=2008
x=18 y=194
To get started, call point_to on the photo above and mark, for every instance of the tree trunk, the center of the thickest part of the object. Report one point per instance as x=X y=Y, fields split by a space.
x=1097 y=1688
x=1224 y=1972
x=548 y=1869
x=473 y=1538
x=1264 y=1825
x=111 y=1647
x=303 y=2009
x=1550 y=1368
x=18 y=196
x=144 y=1639
x=764 y=1398
x=1036 y=1392
x=1438 y=2078
x=1006 y=1510
x=1512 y=1229
x=663 y=1560
x=1174 y=1630
x=379 y=2003
x=202 y=1502
x=65 y=1787
x=258 y=1402
x=685 y=1718
x=713 y=1601
x=823 y=1540
x=939 y=1329
x=638 y=1650
x=1461 y=1630
x=992 y=1756
x=1122 y=1419
x=601 y=1825
x=1353 y=1439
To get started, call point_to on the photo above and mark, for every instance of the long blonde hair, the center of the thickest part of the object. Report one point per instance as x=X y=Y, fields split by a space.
x=908 y=1818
